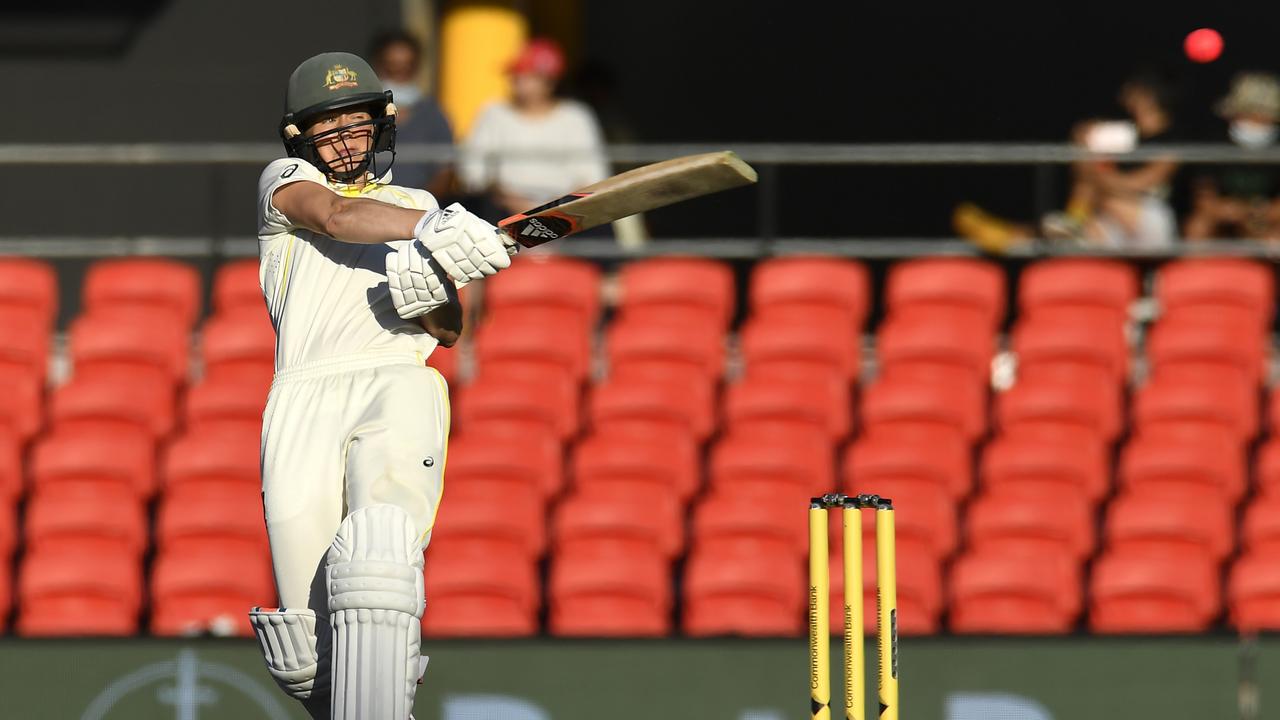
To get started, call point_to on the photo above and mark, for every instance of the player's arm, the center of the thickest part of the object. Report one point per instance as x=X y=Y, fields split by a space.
x=444 y=323
x=1156 y=173
x=352 y=220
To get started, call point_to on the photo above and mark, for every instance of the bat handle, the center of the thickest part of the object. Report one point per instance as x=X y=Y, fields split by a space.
x=508 y=240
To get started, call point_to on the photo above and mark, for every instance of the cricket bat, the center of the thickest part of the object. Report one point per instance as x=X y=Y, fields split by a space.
x=639 y=190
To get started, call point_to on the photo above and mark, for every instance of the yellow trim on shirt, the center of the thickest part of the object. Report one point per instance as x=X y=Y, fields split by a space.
x=288 y=261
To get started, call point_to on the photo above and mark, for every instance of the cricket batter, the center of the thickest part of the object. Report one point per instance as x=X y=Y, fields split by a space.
x=360 y=280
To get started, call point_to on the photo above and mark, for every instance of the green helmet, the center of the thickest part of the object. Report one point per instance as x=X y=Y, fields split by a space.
x=332 y=81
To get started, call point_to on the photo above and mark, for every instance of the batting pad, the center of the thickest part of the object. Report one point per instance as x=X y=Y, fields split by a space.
x=374 y=580
x=288 y=639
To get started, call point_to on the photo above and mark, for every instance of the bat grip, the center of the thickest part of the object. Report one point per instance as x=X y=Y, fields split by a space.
x=508 y=240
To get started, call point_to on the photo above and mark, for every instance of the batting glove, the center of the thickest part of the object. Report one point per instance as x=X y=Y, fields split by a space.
x=416 y=282
x=466 y=247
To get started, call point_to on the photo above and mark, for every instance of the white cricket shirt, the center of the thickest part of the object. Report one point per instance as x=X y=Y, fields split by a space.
x=329 y=298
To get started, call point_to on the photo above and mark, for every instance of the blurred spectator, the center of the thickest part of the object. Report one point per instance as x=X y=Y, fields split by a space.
x=396 y=57
x=1124 y=204
x=512 y=149
x=1242 y=200
x=535 y=147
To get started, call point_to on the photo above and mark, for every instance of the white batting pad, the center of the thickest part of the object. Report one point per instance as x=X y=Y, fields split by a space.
x=374 y=580
x=288 y=639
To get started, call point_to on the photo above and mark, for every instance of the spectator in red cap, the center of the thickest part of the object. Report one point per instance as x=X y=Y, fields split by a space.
x=535 y=147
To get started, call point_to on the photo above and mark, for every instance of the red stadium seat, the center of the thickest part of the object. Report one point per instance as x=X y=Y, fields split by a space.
x=937 y=337
x=696 y=290
x=124 y=458
x=1009 y=522
x=534 y=397
x=777 y=345
x=234 y=340
x=21 y=403
x=8 y=540
x=533 y=336
x=29 y=285
x=90 y=518
x=656 y=348
x=1178 y=525
x=1208 y=344
x=24 y=343
x=224 y=459
x=504 y=463
x=765 y=404
x=1044 y=464
x=906 y=401
x=1267 y=467
x=755 y=519
x=1260 y=530
x=796 y=461
x=69 y=592
x=548 y=281
x=924 y=517
x=490 y=526
x=1142 y=593
x=195 y=515
x=1227 y=287
x=948 y=283
x=147 y=283
x=743 y=594
x=1037 y=400
x=445 y=361
x=1192 y=465
x=1071 y=283
x=664 y=463
x=209 y=589
x=610 y=594
x=1253 y=592
x=10 y=466
x=1084 y=336
x=235 y=395
x=937 y=457
x=6 y=597
x=105 y=342
x=124 y=401
x=1273 y=411
x=919 y=579
x=596 y=518
x=1008 y=594
x=811 y=283
x=236 y=287
x=626 y=405
x=479 y=596
x=1102 y=384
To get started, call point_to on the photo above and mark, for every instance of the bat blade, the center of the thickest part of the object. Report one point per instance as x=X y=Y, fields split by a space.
x=639 y=190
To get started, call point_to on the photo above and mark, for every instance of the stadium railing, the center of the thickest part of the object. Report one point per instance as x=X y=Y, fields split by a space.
x=768 y=158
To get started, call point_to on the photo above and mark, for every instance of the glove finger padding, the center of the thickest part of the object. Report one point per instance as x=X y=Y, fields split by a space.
x=416 y=283
x=466 y=247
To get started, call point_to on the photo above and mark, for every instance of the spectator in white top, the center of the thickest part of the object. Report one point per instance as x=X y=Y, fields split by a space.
x=535 y=147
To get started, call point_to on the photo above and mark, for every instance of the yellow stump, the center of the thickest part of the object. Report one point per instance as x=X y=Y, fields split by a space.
x=855 y=701
x=887 y=613
x=819 y=615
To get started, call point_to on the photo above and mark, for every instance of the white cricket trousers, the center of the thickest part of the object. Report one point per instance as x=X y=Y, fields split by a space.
x=338 y=435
